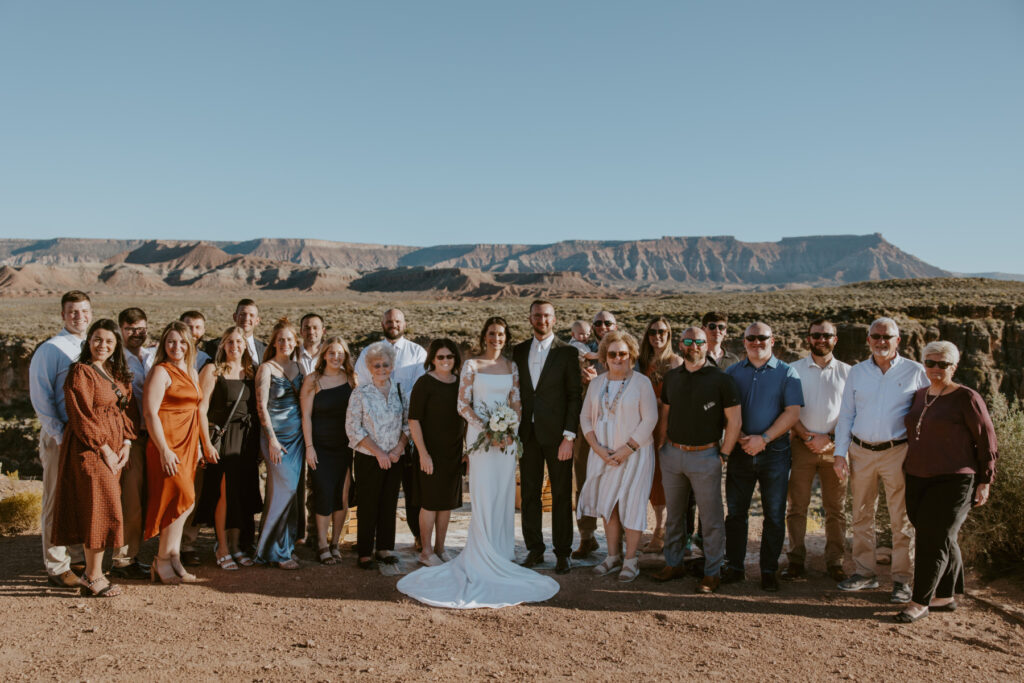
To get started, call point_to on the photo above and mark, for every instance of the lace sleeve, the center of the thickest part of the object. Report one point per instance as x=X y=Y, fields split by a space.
x=514 y=400
x=464 y=404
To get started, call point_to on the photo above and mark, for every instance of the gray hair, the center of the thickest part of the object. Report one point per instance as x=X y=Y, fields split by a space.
x=888 y=322
x=380 y=349
x=946 y=349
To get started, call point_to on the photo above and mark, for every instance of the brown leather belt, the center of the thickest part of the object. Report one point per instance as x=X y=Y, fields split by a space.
x=882 y=446
x=691 y=449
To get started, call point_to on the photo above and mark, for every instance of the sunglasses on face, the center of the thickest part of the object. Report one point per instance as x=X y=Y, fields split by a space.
x=691 y=342
x=758 y=337
x=378 y=366
x=820 y=335
x=879 y=337
x=618 y=354
x=446 y=356
x=943 y=364
x=604 y=323
x=717 y=326
x=657 y=332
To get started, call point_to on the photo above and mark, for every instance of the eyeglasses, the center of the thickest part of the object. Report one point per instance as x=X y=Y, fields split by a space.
x=820 y=335
x=446 y=356
x=378 y=366
x=657 y=332
x=943 y=364
x=691 y=342
x=618 y=354
x=604 y=323
x=879 y=337
x=758 y=337
x=717 y=326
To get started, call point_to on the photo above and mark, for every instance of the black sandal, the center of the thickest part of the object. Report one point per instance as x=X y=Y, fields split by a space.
x=109 y=591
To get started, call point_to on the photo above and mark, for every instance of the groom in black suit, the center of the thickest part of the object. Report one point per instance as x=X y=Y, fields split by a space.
x=549 y=380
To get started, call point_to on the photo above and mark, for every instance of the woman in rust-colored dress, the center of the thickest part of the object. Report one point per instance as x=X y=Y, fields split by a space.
x=97 y=393
x=171 y=407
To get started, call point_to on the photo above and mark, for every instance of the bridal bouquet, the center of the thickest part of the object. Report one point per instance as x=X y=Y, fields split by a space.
x=500 y=423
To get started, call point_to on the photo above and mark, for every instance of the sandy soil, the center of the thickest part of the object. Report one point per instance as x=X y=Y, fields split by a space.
x=333 y=623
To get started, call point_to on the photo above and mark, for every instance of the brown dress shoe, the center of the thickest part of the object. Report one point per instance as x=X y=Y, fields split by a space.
x=587 y=546
x=668 y=572
x=68 y=579
x=709 y=584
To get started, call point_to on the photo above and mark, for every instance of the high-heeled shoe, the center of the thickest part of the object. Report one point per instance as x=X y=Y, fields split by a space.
x=156 y=573
x=183 y=575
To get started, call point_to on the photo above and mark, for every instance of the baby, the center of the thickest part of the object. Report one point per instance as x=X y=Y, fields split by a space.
x=580 y=335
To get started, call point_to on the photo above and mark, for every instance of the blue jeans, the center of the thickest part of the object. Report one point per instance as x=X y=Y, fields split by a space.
x=769 y=470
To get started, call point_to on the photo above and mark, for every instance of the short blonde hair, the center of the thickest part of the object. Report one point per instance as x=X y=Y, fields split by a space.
x=618 y=336
x=946 y=349
x=380 y=349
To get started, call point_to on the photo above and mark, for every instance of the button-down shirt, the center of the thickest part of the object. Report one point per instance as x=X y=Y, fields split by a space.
x=372 y=415
x=539 y=349
x=46 y=374
x=765 y=393
x=307 y=360
x=407 y=368
x=823 y=392
x=874 y=402
x=140 y=366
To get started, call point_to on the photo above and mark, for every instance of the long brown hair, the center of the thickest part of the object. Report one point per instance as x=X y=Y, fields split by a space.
x=221 y=361
x=652 y=363
x=116 y=365
x=186 y=334
x=347 y=365
x=280 y=326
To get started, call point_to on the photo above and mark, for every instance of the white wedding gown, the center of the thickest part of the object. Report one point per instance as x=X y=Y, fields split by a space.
x=484 y=574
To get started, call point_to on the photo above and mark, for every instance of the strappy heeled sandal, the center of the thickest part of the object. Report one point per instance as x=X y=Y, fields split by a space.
x=89 y=591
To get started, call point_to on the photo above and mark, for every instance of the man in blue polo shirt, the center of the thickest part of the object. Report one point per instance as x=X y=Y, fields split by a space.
x=771 y=396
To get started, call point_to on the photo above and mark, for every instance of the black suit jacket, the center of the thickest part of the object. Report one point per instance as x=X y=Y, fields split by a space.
x=554 y=405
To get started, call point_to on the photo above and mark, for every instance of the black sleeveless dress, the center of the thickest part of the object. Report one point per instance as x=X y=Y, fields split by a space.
x=333 y=454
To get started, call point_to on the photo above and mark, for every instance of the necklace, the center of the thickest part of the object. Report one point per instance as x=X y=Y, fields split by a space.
x=927 y=404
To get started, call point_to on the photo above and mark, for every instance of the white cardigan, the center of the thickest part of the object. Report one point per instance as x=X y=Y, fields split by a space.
x=635 y=417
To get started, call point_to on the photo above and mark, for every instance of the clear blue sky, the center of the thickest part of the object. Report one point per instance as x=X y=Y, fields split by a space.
x=448 y=122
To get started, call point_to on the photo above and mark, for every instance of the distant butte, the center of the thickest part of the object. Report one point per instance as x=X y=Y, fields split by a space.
x=567 y=268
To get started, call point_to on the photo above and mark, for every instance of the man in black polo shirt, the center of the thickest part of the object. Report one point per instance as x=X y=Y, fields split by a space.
x=699 y=402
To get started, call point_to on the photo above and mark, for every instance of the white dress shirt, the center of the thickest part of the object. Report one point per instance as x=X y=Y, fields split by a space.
x=139 y=367
x=408 y=366
x=46 y=374
x=823 y=392
x=874 y=403
x=307 y=361
x=539 y=349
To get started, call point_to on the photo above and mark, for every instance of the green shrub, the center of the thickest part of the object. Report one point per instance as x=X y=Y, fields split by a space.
x=20 y=512
x=992 y=539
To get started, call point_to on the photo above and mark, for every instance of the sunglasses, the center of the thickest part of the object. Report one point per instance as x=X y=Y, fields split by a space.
x=820 y=335
x=717 y=326
x=758 y=337
x=657 y=332
x=937 y=364
x=446 y=356
x=618 y=354
x=691 y=342
x=604 y=323
x=879 y=337
x=378 y=366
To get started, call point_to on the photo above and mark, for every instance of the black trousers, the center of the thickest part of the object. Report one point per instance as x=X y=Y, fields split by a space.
x=937 y=507
x=377 y=497
x=531 y=481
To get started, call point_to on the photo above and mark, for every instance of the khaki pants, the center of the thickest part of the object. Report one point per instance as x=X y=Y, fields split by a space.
x=580 y=454
x=866 y=468
x=833 y=495
x=57 y=559
x=133 y=502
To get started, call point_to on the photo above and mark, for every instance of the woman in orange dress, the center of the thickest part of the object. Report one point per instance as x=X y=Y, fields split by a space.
x=171 y=401
x=657 y=358
x=97 y=393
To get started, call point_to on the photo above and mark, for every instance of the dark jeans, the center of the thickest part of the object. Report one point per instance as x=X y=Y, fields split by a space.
x=769 y=471
x=377 y=497
x=937 y=507
x=531 y=481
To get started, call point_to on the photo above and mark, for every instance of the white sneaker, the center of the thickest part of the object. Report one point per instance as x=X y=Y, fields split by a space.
x=610 y=564
x=630 y=570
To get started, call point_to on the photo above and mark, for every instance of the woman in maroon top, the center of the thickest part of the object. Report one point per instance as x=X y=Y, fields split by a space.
x=951 y=460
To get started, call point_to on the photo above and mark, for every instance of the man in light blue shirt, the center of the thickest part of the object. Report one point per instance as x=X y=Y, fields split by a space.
x=46 y=374
x=870 y=432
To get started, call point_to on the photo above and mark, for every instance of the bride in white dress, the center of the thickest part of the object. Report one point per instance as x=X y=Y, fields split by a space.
x=485 y=574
